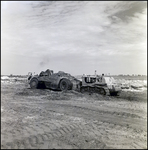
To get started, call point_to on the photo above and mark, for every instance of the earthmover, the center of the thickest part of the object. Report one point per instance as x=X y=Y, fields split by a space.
x=104 y=85
x=55 y=81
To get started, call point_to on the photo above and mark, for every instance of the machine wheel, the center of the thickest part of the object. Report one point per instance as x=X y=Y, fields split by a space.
x=64 y=85
x=34 y=83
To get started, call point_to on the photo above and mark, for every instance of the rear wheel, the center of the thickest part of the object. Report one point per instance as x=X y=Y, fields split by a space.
x=34 y=83
x=64 y=85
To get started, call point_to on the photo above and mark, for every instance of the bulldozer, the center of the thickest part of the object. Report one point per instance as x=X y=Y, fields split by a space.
x=104 y=85
x=55 y=81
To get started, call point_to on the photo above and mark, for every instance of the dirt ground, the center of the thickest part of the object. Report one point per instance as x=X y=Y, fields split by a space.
x=45 y=119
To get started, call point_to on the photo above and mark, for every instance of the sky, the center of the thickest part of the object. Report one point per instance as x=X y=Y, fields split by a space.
x=77 y=37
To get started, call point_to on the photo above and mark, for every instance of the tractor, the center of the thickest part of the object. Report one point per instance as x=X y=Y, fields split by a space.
x=104 y=85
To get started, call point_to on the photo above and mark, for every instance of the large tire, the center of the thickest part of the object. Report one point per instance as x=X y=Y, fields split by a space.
x=34 y=84
x=64 y=85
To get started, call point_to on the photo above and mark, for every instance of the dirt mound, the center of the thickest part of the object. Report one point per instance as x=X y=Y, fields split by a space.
x=59 y=95
x=129 y=95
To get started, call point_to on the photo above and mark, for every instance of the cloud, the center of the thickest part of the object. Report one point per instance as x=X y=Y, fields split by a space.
x=78 y=33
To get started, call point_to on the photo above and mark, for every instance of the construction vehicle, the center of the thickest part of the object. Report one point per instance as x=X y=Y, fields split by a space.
x=104 y=85
x=62 y=81
x=55 y=81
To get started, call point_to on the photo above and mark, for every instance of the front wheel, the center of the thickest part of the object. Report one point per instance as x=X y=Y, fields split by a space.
x=34 y=83
x=64 y=85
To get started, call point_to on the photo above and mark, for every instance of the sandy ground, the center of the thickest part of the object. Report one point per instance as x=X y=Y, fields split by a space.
x=45 y=119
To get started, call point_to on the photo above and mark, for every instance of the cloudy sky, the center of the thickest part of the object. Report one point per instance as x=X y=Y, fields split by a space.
x=74 y=36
